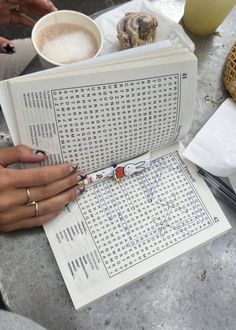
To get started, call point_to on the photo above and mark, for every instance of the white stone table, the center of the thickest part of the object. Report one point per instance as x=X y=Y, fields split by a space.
x=195 y=291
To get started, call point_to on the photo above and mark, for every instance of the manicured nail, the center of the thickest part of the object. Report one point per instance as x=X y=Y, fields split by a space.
x=39 y=153
x=81 y=186
x=73 y=167
x=51 y=4
x=8 y=48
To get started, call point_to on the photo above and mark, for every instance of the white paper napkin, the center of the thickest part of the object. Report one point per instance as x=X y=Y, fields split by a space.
x=214 y=147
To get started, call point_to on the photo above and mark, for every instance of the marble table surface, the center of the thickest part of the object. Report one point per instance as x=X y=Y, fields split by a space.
x=194 y=291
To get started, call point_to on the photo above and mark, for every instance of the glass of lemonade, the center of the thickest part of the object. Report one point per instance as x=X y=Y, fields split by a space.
x=204 y=16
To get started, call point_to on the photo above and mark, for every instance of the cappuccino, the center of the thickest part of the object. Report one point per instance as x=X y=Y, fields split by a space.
x=66 y=43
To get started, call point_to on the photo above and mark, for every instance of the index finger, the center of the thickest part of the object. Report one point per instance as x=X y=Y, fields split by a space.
x=45 y=4
x=20 y=18
x=38 y=176
x=42 y=4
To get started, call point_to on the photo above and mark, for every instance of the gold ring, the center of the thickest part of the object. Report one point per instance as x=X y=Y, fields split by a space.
x=36 y=209
x=15 y=9
x=36 y=206
x=29 y=197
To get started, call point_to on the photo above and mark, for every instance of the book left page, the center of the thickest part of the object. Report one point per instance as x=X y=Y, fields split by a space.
x=109 y=114
x=117 y=232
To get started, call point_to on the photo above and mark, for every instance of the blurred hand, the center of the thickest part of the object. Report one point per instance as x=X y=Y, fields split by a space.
x=52 y=187
x=16 y=11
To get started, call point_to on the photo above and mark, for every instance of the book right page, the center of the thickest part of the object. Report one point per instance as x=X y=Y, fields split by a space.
x=116 y=232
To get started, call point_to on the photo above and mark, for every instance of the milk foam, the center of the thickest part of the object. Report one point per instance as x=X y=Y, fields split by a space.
x=66 y=43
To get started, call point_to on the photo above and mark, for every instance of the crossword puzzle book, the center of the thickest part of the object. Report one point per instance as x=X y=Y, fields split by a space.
x=102 y=112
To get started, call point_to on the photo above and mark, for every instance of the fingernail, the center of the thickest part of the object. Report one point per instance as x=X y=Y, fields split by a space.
x=7 y=48
x=73 y=167
x=39 y=153
x=51 y=4
x=81 y=186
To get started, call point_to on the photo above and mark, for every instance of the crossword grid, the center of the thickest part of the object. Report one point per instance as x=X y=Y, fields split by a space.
x=139 y=115
x=144 y=214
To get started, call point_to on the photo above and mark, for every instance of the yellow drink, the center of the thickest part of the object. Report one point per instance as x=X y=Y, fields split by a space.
x=204 y=16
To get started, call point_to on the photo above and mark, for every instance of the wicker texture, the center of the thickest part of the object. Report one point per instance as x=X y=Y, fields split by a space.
x=230 y=73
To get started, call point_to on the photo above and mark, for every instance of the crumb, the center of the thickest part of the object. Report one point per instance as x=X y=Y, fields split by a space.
x=203 y=276
x=217 y=33
x=107 y=322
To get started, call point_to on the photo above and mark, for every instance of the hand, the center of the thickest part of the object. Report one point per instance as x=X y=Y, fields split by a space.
x=16 y=11
x=52 y=187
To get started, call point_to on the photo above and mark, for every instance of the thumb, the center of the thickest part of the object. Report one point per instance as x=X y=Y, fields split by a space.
x=6 y=46
x=20 y=154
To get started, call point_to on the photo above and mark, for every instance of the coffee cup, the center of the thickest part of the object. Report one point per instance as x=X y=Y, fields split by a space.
x=64 y=37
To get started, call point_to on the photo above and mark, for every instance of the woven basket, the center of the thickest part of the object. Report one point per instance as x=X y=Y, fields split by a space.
x=230 y=73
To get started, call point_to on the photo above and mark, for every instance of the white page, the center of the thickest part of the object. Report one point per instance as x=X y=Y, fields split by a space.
x=114 y=57
x=9 y=111
x=165 y=55
x=117 y=232
x=123 y=111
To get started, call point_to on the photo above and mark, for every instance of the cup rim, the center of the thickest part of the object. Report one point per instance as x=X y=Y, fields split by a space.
x=64 y=11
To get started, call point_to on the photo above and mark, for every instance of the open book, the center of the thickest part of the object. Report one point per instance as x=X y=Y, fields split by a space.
x=105 y=111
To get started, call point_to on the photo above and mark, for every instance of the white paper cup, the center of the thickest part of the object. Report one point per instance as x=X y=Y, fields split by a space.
x=69 y=17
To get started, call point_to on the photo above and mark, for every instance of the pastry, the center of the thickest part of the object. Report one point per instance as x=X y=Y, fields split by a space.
x=136 y=29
